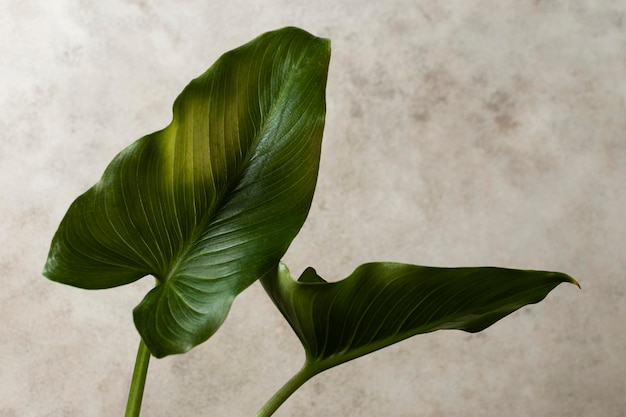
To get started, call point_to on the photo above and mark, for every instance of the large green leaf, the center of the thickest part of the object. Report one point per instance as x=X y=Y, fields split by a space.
x=210 y=203
x=383 y=303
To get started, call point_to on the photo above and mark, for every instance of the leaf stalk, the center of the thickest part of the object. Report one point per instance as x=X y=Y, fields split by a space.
x=303 y=375
x=138 y=382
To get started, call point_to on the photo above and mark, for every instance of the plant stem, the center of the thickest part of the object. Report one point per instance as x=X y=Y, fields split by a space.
x=135 y=395
x=286 y=390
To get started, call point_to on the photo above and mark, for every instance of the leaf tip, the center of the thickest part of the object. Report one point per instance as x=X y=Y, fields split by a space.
x=567 y=278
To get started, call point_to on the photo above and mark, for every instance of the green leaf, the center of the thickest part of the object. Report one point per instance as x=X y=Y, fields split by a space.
x=383 y=303
x=210 y=203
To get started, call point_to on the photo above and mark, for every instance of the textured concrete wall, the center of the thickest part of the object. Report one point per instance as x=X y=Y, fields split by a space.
x=458 y=133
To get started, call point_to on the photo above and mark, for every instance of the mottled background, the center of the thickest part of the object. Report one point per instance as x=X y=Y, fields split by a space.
x=458 y=133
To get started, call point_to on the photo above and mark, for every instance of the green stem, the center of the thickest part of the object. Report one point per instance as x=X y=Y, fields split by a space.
x=135 y=395
x=286 y=390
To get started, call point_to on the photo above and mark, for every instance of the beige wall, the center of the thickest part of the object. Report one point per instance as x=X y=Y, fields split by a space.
x=458 y=133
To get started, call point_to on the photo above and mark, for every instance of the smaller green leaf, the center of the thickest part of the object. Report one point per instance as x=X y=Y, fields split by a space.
x=383 y=303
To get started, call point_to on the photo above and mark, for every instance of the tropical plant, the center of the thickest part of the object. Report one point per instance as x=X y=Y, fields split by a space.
x=210 y=204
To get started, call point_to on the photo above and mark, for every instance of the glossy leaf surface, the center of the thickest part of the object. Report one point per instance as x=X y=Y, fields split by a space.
x=210 y=203
x=383 y=303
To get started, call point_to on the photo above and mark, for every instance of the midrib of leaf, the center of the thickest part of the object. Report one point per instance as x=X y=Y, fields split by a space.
x=205 y=219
